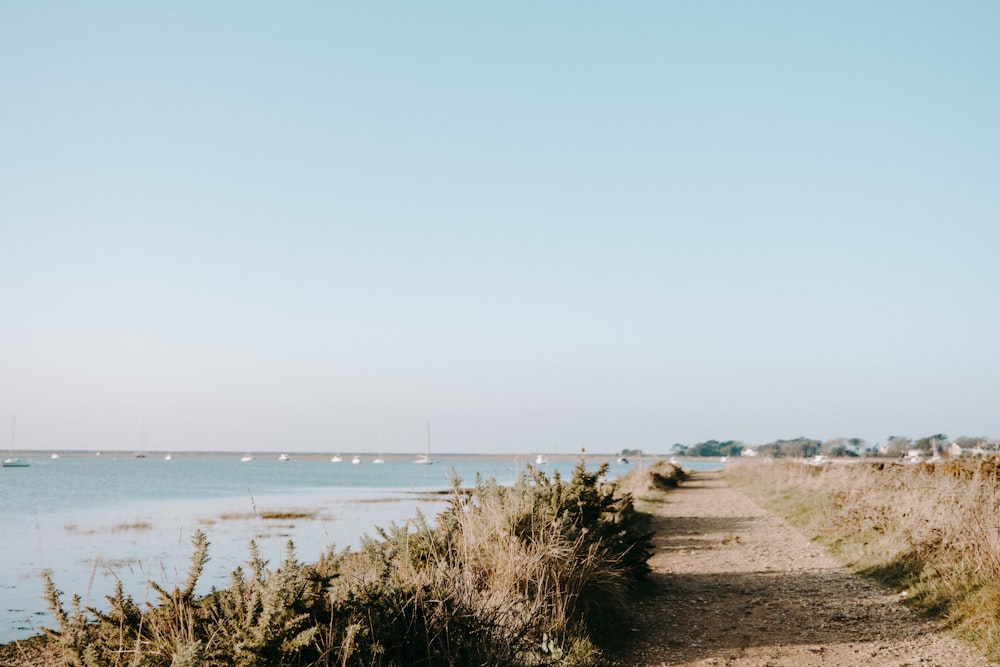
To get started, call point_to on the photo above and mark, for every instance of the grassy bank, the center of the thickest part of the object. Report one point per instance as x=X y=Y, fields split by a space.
x=930 y=531
x=533 y=574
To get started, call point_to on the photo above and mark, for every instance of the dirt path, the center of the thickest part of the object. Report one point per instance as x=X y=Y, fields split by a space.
x=738 y=586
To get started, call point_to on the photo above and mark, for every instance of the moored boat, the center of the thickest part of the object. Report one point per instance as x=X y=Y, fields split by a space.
x=425 y=458
x=14 y=461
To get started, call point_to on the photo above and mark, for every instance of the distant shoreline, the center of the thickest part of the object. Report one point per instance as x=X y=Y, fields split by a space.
x=325 y=456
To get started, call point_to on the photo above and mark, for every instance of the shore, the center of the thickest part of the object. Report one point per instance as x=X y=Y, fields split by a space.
x=34 y=652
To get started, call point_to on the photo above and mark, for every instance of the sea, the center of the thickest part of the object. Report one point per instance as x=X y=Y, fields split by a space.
x=92 y=520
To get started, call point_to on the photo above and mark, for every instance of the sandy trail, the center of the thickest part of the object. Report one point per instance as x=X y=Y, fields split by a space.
x=736 y=585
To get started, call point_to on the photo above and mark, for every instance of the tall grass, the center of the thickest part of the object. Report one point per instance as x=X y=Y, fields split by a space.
x=529 y=575
x=932 y=530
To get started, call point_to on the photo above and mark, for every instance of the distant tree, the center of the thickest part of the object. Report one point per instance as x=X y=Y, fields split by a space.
x=932 y=443
x=835 y=447
x=731 y=448
x=635 y=453
x=707 y=448
x=800 y=447
x=896 y=446
x=715 y=448
x=870 y=450
x=772 y=449
x=797 y=447
x=840 y=447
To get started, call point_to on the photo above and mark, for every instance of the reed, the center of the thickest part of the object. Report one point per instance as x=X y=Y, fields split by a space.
x=931 y=530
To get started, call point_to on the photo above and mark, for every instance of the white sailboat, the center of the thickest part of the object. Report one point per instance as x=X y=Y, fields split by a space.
x=14 y=461
x=337 y=458
x=425 y=458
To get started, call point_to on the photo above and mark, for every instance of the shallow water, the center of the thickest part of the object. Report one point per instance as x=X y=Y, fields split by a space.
x=94 y=520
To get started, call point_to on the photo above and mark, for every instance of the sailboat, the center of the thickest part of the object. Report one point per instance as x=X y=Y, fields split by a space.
x=425 y=458
x=13 y=461
x=248 y=457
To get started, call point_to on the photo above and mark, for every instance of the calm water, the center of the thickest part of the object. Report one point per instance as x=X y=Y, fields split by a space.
x=93 y=520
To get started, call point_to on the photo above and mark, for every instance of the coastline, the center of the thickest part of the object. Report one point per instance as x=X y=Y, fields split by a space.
x=123 y=527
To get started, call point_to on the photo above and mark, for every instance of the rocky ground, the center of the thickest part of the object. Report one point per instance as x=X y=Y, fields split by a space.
x=735 y=585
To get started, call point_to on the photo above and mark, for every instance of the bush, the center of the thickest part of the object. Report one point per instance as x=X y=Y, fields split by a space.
x=529 y=575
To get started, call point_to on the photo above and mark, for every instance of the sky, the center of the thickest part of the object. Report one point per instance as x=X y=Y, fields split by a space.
x=318 y=226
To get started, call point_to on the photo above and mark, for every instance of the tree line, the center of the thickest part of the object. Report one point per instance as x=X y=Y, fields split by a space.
x=894 y=446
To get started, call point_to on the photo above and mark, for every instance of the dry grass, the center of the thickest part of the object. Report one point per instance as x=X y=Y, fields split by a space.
x=651 y=481
x=932 y=530
x=533 y=575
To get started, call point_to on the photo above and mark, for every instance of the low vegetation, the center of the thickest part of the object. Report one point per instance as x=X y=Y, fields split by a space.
x=929 y=530
x=269 y=515
x=652 y=480
x=138 y=525
x=131 y=525
x=529 y=575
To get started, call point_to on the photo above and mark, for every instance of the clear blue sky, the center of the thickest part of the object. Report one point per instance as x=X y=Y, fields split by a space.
x=540 y=226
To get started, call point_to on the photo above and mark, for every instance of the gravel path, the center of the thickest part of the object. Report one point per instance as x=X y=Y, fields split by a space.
x=736 y=585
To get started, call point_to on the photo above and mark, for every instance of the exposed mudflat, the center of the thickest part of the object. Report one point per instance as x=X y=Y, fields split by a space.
x=735 y=585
